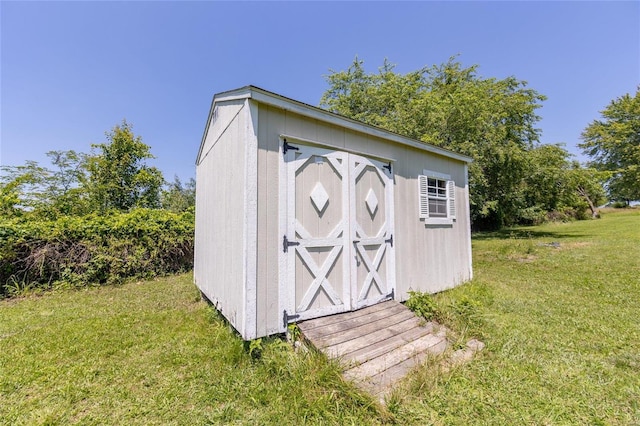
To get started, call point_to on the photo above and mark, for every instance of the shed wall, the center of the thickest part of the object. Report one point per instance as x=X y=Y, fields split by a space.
x=428 y=258
x=220 y=257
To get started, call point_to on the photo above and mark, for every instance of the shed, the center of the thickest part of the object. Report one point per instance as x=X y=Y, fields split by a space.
x=302 y=213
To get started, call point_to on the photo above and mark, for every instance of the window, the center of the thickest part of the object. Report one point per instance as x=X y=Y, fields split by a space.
x=437 y=198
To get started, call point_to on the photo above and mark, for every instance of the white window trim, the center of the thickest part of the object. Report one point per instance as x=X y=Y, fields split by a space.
x=423 y=205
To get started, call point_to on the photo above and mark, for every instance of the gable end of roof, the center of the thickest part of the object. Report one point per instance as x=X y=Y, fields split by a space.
x=263 y=96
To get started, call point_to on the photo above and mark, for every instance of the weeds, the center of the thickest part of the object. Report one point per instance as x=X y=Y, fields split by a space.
x=422 y=304
x=255 y=348
x=293 y=333
x=75 y=252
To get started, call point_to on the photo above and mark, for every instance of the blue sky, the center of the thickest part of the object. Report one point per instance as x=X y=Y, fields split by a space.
x=70 y=71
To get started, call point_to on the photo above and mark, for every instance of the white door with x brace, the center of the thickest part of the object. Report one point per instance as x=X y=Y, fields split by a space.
x=371 y=223
x=338 y=244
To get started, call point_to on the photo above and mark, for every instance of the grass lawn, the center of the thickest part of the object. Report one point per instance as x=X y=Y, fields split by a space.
x=561 y=324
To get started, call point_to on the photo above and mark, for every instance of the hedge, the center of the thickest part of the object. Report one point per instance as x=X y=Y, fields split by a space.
x=94 y=249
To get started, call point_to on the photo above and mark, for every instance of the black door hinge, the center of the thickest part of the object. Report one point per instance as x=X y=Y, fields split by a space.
x=286 y=317
x=388 y=167
x=286 y=147
x=389 y=240
x=286 y=244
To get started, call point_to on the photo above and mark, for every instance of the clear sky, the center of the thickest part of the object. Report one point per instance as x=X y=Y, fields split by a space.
x=70 y=71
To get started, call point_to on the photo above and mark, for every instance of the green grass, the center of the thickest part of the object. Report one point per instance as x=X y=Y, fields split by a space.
x=153 y=353
x=562 y=328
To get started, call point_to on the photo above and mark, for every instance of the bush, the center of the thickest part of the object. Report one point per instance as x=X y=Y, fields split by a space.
x=422 y=304
x=568 y=214
x=619 y=205
x=94 y=249
x=532 y=216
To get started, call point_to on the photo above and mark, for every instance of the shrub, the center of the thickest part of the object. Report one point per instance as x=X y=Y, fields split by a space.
x=568 y=214
x=93 y=249
x=532 y=216
x=422 y=304
x=619 y=205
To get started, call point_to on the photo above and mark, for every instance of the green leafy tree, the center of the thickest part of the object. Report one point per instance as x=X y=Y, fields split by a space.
x=10 y=195
x=66 y=184
x=554 y=183
x=118 y=175
x=22 y=188
x=113 y=176
x=179 y=197
x=588 y=185
x=545 y=182
x=451 y=106
x=613 y=143
x=44 y=192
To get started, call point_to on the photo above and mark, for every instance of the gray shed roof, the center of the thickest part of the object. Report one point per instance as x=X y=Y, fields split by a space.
x=288 y=104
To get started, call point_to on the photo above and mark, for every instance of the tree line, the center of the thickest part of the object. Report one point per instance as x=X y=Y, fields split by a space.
x=113 y=176
x=613 y=144
x=107 y=215
x=93 y=218
x=514 y=179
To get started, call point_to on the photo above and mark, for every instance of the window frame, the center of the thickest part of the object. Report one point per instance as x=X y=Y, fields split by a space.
x=424 y=196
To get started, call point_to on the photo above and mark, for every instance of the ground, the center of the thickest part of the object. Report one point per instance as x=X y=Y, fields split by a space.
x=559 y=322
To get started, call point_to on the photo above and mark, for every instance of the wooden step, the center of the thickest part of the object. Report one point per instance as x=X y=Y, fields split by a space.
x=358 y=330
x=396 y=356
x=336 y=324
x=323 y=321
x=377 y=345
x=394 y=335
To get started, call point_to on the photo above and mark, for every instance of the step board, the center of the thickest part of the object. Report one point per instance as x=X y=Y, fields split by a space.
x=377 y=345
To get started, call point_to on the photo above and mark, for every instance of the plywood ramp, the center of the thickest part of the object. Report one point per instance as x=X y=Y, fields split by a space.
x=377 y=345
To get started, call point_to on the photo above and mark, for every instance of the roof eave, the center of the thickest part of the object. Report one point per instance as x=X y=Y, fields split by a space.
x=288 y=104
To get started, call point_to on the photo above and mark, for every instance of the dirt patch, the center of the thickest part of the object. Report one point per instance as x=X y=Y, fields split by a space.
x=565 y=246
x=529 y=258
x=576 y=245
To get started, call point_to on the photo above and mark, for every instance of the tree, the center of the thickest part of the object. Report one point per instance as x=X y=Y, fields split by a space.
x=545 y=183
x=587 y=183
x=22 y=188
x=118 y=176
x=43 y=191
x=613 y=143
x=66 y=185
x=554 y=183
x=448 y=105
x=10 y=192
x=178 y=197
x=113 y=176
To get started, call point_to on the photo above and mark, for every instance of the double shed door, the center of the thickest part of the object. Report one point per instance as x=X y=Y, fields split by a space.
x=338 y=245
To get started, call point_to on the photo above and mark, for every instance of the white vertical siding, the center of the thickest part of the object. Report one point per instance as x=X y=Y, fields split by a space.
x=220 y=257
x=428 y=258
x=439 y=255
x=250 y=122
x=269 y=315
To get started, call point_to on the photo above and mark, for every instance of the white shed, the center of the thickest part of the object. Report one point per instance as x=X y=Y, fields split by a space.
x=302 y=213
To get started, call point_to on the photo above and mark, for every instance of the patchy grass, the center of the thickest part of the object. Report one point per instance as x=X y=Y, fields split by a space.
x=558 y=307
x=153 y=353
x=560 y=323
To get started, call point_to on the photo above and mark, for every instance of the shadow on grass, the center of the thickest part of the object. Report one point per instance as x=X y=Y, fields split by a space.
x=520 y=234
